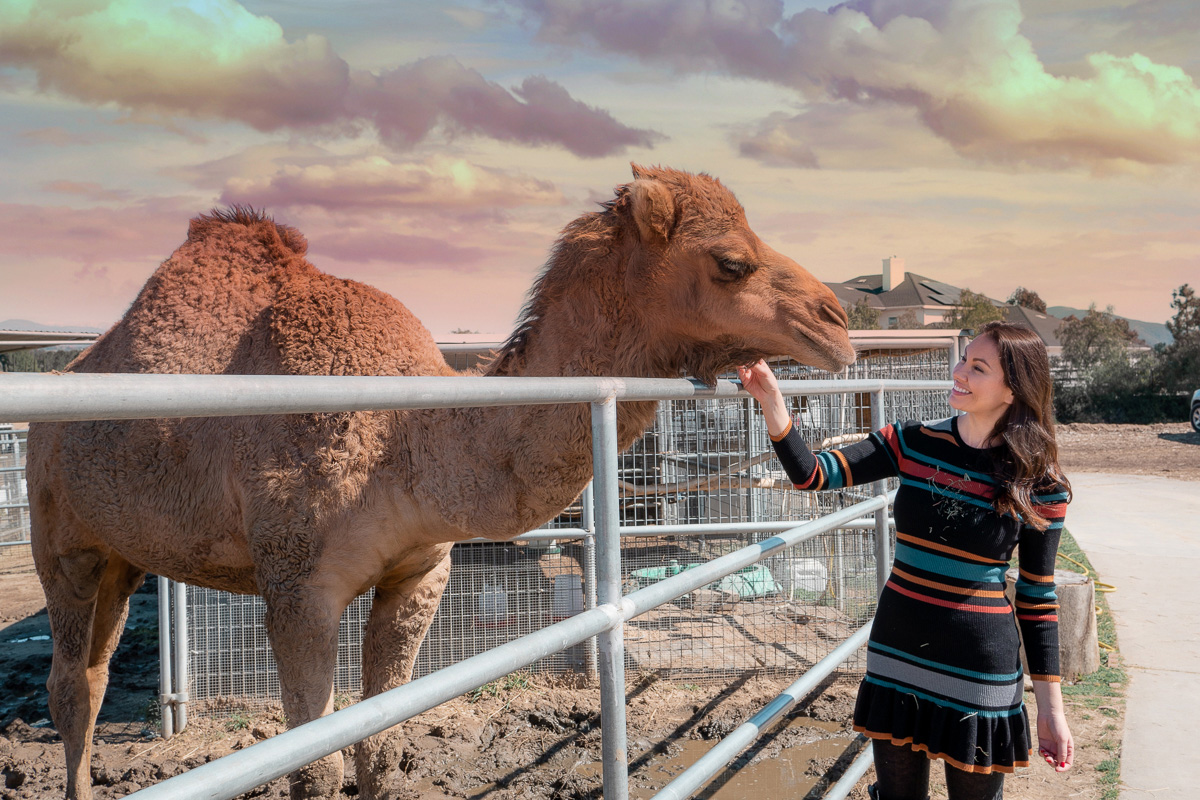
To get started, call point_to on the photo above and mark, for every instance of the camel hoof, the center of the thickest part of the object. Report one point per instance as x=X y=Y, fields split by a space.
x=319 y=780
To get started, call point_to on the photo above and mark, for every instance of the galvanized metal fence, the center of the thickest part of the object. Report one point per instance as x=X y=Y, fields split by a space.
x=700 y=483
x=794 y=584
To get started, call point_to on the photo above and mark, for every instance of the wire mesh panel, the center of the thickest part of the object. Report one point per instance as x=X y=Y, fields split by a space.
x=14 y=497
x=703 y=462
x=779 y=616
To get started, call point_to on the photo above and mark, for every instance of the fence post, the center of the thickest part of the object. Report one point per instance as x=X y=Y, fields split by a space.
x=589 y=570
x=883 y=549
x=614 y=749
x=181 y=655
x=166 y=706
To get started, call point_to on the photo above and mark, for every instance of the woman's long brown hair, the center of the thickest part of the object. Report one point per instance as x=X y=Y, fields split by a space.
x=1028 y=459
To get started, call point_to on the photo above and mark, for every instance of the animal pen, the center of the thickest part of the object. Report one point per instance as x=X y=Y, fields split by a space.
x=688 y=558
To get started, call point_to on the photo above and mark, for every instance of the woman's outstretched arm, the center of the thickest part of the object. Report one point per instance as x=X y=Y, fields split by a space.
x=876 y=457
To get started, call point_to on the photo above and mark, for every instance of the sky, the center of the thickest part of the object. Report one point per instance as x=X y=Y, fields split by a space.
x=435 y=150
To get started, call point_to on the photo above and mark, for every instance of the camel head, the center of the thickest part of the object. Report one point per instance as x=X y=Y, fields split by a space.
x=707 y=281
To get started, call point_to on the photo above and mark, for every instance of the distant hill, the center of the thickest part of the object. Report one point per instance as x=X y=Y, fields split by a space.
x=1151 y=333
x=27 y=325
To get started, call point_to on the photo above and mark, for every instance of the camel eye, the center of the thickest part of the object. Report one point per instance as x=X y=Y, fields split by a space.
x=732 y=268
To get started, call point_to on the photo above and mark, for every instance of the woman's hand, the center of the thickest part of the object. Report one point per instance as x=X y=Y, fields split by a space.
x=759 y=381
x=1054 y=740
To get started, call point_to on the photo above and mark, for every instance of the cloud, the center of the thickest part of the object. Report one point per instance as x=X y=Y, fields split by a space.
x=86 y=189
x=60 y=137
x=407 y=102
x=396 y=248
x=375 y=182
x=216 y=60
x=847 y=136
x=965 y=67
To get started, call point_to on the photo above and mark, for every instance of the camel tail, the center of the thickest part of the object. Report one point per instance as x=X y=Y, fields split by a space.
x=207 y=225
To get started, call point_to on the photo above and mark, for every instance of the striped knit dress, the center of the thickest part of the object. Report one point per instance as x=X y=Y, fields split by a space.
x=943 y=660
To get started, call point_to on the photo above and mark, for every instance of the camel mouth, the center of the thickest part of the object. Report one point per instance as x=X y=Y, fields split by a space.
x=832 y=354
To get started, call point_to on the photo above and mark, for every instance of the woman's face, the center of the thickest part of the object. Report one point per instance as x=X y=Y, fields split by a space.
x=979 y=386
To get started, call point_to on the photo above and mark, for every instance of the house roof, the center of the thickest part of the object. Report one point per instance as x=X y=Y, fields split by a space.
x=849 y=296
x=1044 y=325
x=913 y=290
x=918 y=290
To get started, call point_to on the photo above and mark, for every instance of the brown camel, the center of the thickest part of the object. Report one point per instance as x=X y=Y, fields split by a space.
x=310 y=511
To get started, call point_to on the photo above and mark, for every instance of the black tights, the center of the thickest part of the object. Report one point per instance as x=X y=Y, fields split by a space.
x=903 y=774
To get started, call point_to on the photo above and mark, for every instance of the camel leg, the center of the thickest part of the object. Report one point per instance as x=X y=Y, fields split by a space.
x=87 y=601
x=400 y=617
x=302 y=627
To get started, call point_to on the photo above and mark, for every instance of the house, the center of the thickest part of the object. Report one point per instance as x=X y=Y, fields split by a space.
x=895 y=293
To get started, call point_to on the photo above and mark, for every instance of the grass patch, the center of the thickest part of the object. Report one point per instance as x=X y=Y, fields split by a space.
x=238 y=721
x=513 y=681
x=1104 y=689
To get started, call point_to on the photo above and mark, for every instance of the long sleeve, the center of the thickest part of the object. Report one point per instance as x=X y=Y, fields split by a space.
x=1036 y=599
x=875 y=458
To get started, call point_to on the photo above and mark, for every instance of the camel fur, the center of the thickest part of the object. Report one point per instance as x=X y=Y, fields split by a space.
x=310 y=511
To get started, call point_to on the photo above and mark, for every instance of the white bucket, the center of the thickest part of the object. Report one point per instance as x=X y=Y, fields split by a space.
x=808 y=575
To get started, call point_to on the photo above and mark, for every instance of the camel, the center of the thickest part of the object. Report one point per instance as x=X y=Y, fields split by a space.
x=309 y=511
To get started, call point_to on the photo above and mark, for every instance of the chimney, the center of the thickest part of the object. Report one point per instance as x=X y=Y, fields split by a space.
x=893 y=272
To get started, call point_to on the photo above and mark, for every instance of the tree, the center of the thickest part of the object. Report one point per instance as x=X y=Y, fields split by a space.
x=972 y=312
x=1027 y=298
x=1105 y=382
x=908 y=321
x=862 y=317
x=1181 y=358
x=1186 y=322
x=1100 y=337
x=18 y=361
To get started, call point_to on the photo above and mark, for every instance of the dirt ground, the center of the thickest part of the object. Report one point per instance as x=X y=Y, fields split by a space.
x=1168 y=450
x=525 y=737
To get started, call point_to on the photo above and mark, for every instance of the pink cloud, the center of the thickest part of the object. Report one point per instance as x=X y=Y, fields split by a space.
x=216 y=60
x=60 y=137
x=394 y=248
x=374 y=182
x=86 y=189
x=150 y=230
x=407 y=102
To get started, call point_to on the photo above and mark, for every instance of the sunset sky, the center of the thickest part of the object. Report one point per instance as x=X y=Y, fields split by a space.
x=435 y=150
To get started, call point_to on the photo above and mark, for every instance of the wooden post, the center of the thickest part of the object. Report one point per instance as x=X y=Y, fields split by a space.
x=1078 y=650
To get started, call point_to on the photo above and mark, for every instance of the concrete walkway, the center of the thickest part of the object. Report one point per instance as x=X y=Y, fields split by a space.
x=1142 y=534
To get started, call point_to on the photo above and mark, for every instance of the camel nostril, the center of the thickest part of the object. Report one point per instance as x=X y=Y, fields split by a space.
x=834 y=313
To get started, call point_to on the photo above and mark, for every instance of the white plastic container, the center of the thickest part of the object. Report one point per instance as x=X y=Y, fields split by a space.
x=568 y=596
x=808 y=577
x=493 y=606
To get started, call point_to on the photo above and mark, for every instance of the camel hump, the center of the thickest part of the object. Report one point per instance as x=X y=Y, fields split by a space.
x=322 y=325
x=211 y=224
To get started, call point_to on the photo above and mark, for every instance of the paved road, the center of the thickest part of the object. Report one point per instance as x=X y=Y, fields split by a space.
x=1142 y=534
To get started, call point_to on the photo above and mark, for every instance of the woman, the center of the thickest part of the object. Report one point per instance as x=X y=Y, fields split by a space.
x=943 y=662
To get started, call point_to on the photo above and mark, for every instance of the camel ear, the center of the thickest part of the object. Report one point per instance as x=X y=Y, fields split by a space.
x=653 y=208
